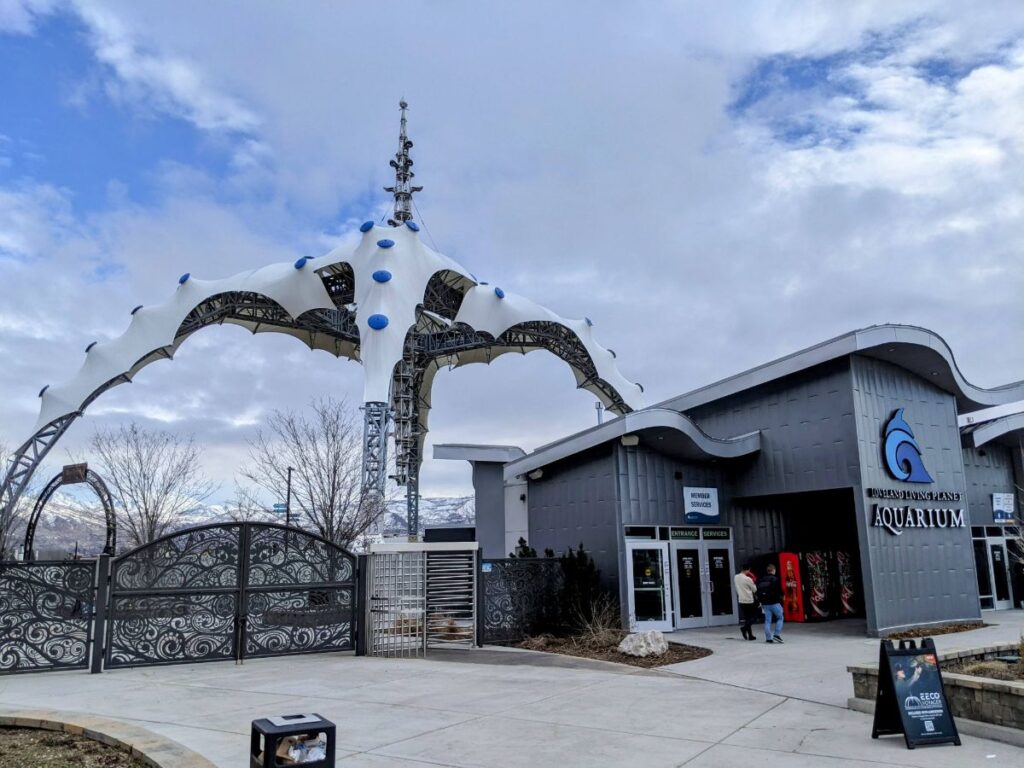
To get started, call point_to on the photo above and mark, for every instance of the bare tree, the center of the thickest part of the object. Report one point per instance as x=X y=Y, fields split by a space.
x=154 y=477
x=325 y=452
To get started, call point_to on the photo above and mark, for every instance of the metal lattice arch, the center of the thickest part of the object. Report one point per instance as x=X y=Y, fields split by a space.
x=400 y=308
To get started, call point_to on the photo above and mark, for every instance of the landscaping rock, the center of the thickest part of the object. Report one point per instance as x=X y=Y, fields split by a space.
x=644 y=644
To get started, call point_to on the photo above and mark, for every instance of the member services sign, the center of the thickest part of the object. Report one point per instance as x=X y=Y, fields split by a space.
x=701 y=505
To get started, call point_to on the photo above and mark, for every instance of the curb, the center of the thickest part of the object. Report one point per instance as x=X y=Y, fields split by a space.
x=966 y=727
x=154 y=750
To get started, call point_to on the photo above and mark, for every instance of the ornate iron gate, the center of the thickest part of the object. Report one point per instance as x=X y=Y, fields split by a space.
x=229 y=592
x=46 y=612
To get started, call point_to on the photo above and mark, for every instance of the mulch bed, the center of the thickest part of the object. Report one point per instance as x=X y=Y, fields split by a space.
x=932 y=631
x=607 y=650
x=33 y=748
x=995 y=670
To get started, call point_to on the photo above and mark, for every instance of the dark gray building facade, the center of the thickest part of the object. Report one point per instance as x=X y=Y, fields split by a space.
x=868 y=461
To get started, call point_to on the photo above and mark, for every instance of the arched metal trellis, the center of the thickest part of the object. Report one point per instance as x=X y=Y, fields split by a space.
x=400 y=308
x=73 y=474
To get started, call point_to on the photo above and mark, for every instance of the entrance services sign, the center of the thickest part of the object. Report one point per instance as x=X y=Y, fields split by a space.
x=1002 y=507
x=701 y=505
x=911 y=698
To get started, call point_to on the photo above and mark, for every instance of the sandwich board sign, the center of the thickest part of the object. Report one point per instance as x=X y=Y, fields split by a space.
x=911 y=698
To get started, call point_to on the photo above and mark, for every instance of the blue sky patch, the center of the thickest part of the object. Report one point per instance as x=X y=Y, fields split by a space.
x=56 y=139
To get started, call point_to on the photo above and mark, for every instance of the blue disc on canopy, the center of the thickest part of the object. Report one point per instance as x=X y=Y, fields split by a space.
x=381 y=275
x=499 y=293
x=377 y=322
x=385 y=243
x=300 y=263
x=413 y=226
x=366 y=226
x=184 y=278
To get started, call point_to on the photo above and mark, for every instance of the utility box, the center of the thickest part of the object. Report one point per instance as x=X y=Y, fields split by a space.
x=306 y=740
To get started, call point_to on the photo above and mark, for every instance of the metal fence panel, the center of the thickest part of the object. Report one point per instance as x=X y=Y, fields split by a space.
x=396 y=609
x=451 y=598
x=46 y=611
x=520 y=598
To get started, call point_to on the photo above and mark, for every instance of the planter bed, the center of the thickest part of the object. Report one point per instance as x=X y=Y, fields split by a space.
x=982 y=699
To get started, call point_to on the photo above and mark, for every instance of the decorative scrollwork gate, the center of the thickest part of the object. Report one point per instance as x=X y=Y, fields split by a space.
x=230 y=591
x=46 y=610
x=520 y=598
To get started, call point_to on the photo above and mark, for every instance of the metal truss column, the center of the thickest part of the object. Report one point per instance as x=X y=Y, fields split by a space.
x=375 y=449
x=412 y=503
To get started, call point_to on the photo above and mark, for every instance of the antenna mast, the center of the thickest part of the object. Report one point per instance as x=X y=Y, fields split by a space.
x=402 y=164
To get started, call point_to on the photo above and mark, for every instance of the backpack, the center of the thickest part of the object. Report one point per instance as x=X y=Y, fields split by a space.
x=766 y=590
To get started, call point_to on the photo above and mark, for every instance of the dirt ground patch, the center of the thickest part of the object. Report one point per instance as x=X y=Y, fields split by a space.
x=33 y=748
x=996 y=670
x=933 y=631
x=606 y=649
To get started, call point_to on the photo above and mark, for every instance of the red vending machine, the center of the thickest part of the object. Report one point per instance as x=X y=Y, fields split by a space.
x=792 y=587
x=819 y=586
x=848 y=584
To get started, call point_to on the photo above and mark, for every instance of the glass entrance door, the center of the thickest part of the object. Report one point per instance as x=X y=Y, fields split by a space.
x=689 y=585
x=1000 y=574
x=720 y=587
x=702 y=586
x=649 y=603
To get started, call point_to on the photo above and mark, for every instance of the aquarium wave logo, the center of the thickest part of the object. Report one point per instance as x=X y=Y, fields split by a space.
x=902 y=453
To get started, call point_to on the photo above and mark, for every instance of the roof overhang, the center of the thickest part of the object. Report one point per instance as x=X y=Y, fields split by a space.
x=496 y=454
x=1008 y=430
x=669 y=432
x=917 y=350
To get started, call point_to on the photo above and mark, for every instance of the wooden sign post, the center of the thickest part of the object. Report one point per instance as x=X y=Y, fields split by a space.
x=911 y=698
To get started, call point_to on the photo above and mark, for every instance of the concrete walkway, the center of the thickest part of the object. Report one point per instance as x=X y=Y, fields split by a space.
x=515 y=708
x=812 y=663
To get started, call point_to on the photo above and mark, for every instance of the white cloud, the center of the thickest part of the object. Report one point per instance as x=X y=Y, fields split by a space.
x=599 y=172
x=20 y=16
x=158 y=80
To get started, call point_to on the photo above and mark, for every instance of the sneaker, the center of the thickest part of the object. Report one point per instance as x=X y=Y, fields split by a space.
x=768 y=641
x=777 y=638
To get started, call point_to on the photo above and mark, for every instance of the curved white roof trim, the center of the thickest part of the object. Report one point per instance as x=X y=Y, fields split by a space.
x=410 y=263
x=995 y=429
x=916 y=349
x=652 y=418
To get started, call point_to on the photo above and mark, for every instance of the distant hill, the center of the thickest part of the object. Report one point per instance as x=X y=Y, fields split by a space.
x=66 y=523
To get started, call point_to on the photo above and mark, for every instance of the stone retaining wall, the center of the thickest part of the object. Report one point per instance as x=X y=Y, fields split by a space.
x=974 y=698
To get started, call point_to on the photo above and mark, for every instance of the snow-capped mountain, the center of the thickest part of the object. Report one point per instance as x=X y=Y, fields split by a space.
x=67 y=524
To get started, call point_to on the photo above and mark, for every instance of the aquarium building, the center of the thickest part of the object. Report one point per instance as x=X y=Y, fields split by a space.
x=881 y=482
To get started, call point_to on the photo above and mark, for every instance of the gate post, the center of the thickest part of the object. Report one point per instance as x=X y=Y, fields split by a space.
x=362 y=602
x=478 y=587
x=99 y=613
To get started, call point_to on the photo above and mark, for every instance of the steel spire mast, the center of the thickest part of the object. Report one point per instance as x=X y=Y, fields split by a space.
x=402 y=190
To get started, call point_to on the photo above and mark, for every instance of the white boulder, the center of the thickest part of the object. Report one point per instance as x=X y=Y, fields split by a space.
x=643 y=644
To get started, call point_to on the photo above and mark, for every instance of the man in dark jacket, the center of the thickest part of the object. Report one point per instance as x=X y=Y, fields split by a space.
x=769 y=594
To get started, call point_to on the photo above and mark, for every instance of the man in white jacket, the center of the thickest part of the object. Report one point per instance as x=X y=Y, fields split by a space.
x=746 y=591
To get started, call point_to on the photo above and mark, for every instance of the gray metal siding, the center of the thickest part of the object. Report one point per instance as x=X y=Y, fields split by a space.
x=575 y=502
x=925 y=575
x=988 y=470
x=649 y=492
x=808 y=431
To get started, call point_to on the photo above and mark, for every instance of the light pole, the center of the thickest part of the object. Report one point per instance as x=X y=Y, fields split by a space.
x=288 y=501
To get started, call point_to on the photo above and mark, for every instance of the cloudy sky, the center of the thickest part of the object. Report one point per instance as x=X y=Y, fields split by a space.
x=714 y=184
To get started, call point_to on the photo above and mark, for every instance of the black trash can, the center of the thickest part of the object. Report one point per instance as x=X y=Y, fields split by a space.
x=272 y=737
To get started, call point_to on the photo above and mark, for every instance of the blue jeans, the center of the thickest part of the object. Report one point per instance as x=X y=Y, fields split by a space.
x=773 y=611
